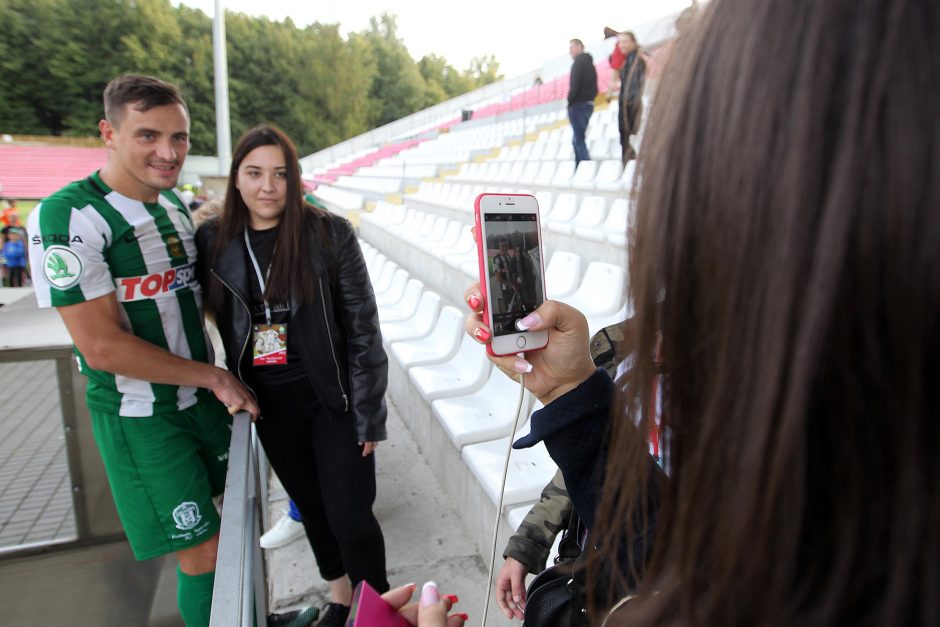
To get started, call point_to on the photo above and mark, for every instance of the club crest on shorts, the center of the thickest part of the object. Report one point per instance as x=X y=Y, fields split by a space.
x=186 y=515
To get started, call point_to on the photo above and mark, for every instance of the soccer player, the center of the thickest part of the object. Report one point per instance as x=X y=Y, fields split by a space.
x=114 y=253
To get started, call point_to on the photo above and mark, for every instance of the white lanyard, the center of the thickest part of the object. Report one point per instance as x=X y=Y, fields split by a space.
x=261 y=279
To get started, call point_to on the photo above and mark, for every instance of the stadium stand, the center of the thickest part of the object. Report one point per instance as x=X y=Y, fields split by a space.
x=414 y=219
x=37 y=171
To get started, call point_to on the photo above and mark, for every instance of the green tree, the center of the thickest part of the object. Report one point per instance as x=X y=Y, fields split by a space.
x=56 y=56
x=397 y=87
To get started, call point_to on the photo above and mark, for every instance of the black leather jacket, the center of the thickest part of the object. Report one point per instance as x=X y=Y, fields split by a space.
x=339 y=338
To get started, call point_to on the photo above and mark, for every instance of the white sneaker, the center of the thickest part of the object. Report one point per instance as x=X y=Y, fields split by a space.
x=284 y=531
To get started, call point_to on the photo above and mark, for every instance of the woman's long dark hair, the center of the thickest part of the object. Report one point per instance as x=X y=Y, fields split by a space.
x=787 y=255
x=291 y=269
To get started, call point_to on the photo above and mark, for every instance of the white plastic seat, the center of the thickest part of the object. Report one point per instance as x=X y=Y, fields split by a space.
x=563 y=174
x=564 y=209
x=591 y=213
x=395 y=289
x=462 y=244
x=614 y=224
x=406 y=306
x=385 y=213
x=417 y=326
x=546 y=174
x=529 y=469
x=563 y=274
x=623 y=183
x=598 y=322
x=601 y=290
x=375 y=266
x=583 y=176
x=483 y=415
x=608 y=173
x=514 y=173
x=463 y=373
x=384 y=279
x=439 y=346
x=529 y=172
x=448 y=239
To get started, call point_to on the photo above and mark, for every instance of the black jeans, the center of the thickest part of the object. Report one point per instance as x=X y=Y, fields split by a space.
x=320 y=464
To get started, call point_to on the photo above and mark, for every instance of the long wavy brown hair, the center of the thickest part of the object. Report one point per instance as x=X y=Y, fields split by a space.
x=787 y=257
x=291 y=269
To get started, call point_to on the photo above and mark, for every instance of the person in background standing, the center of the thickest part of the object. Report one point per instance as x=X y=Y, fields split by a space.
x=632 y=81
x=581 y=93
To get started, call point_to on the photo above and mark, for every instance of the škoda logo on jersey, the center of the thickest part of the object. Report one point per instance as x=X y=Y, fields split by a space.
x=156 y=284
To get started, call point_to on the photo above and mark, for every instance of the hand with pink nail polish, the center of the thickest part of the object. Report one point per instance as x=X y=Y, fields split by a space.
x=430 y=610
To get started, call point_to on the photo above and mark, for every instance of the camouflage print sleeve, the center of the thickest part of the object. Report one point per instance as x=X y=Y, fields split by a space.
x=534 y=538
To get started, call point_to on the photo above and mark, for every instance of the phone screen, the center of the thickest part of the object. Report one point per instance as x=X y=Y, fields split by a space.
x=514 y=265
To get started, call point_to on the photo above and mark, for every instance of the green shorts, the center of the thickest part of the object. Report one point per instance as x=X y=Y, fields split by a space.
x=164 y=471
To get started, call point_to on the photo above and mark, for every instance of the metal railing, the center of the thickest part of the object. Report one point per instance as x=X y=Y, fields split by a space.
x=240 y=590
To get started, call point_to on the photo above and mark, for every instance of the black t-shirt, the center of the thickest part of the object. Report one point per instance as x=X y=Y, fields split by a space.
x=262 y=244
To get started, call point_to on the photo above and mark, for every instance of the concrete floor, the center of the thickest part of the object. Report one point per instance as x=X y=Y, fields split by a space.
x=424 y=536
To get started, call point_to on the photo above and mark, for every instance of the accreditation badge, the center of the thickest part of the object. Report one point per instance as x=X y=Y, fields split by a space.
x=270 y=344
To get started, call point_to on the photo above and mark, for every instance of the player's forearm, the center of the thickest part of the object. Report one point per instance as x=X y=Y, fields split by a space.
x=124 y=354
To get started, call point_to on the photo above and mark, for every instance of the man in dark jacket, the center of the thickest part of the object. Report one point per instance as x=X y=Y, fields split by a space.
x=581 y=94
x=632 y=80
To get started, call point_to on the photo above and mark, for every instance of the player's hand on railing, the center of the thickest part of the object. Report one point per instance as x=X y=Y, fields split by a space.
x=233 y=394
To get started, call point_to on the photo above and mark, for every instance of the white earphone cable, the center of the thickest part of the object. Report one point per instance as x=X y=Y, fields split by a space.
x=520 y=411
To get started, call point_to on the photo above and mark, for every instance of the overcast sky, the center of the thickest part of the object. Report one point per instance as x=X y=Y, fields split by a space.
x=521 y=33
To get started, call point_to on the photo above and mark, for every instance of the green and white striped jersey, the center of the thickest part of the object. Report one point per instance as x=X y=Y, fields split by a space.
x=86 y=241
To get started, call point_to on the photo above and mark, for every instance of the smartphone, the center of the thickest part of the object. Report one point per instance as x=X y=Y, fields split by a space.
x=509 y=249
x=369 y=609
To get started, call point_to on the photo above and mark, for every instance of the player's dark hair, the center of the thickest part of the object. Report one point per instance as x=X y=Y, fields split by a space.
x=144 y=92
x=577 y=42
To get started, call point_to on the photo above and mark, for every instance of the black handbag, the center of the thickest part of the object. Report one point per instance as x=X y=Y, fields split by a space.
x=555 y=598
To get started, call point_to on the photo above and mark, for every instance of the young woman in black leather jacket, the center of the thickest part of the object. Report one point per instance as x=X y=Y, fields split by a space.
x=290 y=293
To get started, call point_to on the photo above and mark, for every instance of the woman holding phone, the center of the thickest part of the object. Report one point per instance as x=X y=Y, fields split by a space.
x=290 y=293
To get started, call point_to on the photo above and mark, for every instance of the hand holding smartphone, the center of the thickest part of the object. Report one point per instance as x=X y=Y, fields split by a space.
x=509 y=250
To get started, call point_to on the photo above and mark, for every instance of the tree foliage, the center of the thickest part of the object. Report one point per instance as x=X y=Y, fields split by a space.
x=56 y=56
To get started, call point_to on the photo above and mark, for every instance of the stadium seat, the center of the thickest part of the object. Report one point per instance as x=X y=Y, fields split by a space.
x=464 y=373
x=601 y=290
x=615 y=223
x=608 y=173
x=546 y=174
x=591 y=212
x=563 y=210
x=529 y=469
x=406 y=306
x=417 y=326
x=563 y=174
x=485 y=414
x=396 y=287
x=438 y=346
x=562 y=275
x=584 y=174
x=624 y=183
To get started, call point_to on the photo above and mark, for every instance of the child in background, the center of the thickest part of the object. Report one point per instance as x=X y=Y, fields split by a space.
x=14 y=255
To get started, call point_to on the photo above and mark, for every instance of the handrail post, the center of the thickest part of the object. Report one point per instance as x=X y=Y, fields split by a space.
x=239 y=590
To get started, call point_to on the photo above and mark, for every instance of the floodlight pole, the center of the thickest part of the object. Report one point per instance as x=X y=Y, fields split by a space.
x=223 y=127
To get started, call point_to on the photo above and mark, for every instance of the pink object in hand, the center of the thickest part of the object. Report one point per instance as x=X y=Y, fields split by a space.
x=369 y=609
